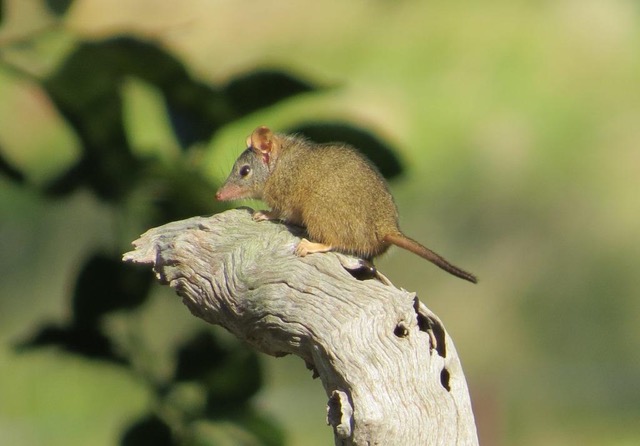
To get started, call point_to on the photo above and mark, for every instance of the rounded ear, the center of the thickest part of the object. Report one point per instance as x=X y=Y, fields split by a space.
x=262 y=140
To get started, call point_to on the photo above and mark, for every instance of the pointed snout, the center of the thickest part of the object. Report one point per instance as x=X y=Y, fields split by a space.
x=222 y=195
x=230 y=192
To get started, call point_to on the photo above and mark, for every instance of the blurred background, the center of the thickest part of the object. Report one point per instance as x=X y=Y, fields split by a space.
x=509 y=131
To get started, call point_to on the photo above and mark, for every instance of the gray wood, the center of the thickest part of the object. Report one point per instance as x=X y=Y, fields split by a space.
x=388 y=366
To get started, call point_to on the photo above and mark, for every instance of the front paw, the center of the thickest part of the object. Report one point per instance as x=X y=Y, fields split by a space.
x=264 y=216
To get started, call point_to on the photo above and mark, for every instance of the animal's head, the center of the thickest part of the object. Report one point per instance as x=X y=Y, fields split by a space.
x=252 y=168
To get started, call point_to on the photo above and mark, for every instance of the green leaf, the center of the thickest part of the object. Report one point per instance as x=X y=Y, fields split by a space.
x=234 y=433
x=375 y=149
x=267 y=430
x=8 y=170
x=181 y=192
x=106 y=284
x=148 y=431
x=67 y=182
x=58 y=7
x=261 y=89
x=147 y=123
x=85 y=89
x=231 y=375
x=198 y=356
x=196 y=111
x=84 y=341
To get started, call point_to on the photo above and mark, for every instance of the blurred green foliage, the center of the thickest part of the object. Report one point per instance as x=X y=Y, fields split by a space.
x=516 y=122
x=59 y=7
x=86 y=90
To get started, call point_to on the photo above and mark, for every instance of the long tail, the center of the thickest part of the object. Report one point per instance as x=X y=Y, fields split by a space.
x=405 y=242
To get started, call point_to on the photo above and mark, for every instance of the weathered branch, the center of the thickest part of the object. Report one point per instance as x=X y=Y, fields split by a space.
x=388 y=366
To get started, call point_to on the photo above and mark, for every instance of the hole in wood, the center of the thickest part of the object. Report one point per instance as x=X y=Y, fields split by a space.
x=434 y=329
x=445 y=376
x=365 y=271
x=401 y=330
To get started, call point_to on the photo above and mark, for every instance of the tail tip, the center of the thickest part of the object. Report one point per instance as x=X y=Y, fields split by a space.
x=468 y=277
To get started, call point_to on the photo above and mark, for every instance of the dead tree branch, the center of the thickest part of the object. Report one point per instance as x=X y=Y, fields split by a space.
x=388 y=366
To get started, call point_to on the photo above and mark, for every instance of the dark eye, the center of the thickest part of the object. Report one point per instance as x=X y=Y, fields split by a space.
x=244 y=170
